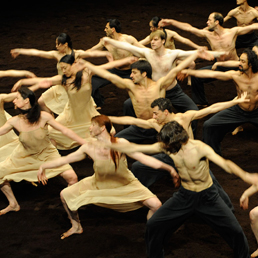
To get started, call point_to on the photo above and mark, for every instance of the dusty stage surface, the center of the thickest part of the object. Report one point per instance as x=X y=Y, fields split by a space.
x=35 y=230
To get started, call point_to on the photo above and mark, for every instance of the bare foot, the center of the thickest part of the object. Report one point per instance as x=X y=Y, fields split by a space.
x=255 y=254
x=10 y=208
x=71 y=231
x=237 y=130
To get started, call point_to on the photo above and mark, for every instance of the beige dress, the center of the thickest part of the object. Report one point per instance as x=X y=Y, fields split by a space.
x=76 y=116
x=33 y=149
x=9 y=141
x=117 y=189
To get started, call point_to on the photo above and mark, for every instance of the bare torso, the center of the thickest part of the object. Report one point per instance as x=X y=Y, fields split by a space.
x=244 y=17
x=192 y=168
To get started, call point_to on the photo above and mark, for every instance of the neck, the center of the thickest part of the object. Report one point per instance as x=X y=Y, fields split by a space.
x=160 y=51
x=103 y=136
x=244 y=6
x=116 y=36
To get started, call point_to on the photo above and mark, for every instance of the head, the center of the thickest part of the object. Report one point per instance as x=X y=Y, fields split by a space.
x=140 y=70
x=173 y=136
x=113 y=26
x=157 y=39
x=69 y=68
x=63 y=41
x=214 y=20
x=161 y=108
x=240 y=2
x=154 y=23
x=27 y=104
x=248 y=59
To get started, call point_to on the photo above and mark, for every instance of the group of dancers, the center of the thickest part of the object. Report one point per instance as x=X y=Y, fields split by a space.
x=67 y=116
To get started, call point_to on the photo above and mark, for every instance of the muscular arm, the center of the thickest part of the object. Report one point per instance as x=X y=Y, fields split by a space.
x=129 y=120
x=246 y=29
x=183 y=26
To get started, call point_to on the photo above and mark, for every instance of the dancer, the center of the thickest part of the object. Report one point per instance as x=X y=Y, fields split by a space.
x=215 y=128
x=112 y=185
x=80 y=109
x=34 y=146
x=55 y=98
x=220 y=39
x=197 y=194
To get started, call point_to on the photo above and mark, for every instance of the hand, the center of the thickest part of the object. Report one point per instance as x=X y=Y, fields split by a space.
x=244 y=201
x=163 y=23
x=181 y=76
x=41 y=176
x=242 y=98
x=214 y=67
x=16 y=86
x=204 y=54
x=14 y=52
x=176 y=178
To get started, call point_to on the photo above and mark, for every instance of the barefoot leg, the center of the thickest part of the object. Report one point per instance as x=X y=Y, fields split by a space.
x=13 y=204
x=75 y=221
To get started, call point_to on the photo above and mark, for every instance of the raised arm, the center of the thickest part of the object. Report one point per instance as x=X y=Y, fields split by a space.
x=230 y=15
x=216 y=107
x=116 y=80
x=183 y=26
x=135 y=50
x=53 y=54
x=167 y=80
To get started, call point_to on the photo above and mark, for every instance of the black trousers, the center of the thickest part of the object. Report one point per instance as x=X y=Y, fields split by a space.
x=247 y=40
x=208 y=206
x=215 y=128
x=98 y=82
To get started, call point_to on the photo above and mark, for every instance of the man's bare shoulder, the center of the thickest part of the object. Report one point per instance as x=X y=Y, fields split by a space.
x=127 y=38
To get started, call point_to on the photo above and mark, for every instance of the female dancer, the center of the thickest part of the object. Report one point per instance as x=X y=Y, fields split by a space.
x=34 y=146
x=80 y=109
x=55 y=98
x=112 y=185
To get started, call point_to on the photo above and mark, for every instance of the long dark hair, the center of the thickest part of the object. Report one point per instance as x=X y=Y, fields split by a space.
x=104 y=120
x=33 y=113
x=69 y=59
x=173 y=135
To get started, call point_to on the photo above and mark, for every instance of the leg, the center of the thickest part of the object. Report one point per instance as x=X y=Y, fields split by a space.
x=147 y=175
x=166 y=220
x=254 y=225
x=74 y=218
x=13 y=204
x=213 y=210
x=153 y=204
x=70 y=176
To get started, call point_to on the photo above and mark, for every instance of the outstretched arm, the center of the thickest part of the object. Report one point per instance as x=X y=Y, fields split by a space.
x=183 y=26
x=217 y=107
x=17 y=73
x=228 y=63
x=137 y=51
x=34 y=52
x=73 y=157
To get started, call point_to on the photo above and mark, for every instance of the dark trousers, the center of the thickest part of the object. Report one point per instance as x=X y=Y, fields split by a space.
x=137 y=135
x=247 y=40
x=197 y=87
x=148 y=176
x=98 y=82
x=208 y=206
x=215 y=128
x=178 y=98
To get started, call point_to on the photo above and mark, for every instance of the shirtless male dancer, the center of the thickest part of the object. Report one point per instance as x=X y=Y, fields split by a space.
x=220 y=39
x=244 y=15
x=113 y=30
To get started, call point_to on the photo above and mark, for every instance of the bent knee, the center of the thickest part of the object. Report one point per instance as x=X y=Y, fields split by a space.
x=253 y=215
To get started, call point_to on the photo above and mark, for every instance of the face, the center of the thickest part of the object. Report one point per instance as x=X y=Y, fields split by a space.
x=136 y=76
x=152 y=28
x=108 y=30
x=156 y=42
x=159 y=115
x=95 y=129
x=61 y=48
x=255 y=49
x=243 y=66
x=66 y=69
x=211 y=24
x=19 y=101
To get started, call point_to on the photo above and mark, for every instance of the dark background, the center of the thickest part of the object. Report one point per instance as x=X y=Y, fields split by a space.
x=35 y=230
